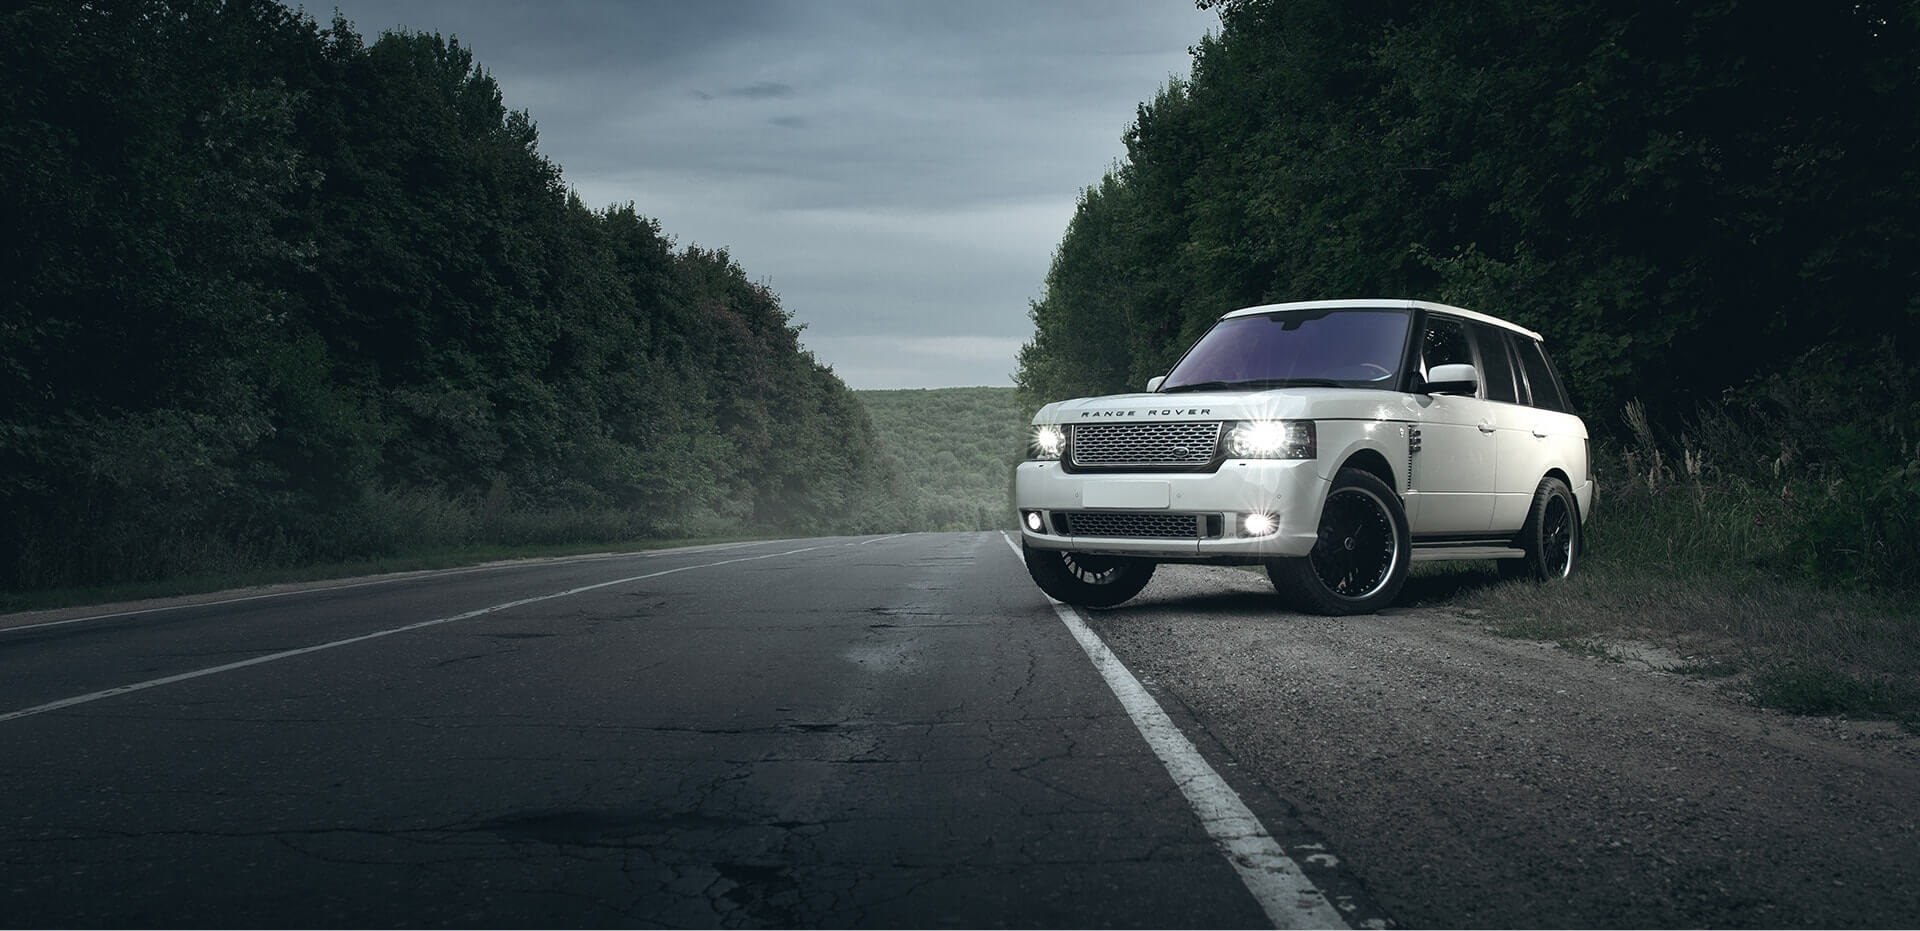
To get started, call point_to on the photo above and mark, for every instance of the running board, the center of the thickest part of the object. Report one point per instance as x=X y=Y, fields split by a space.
x=1435 y=553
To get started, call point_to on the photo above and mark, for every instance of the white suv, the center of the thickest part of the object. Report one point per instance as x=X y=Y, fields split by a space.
x=1333 y=442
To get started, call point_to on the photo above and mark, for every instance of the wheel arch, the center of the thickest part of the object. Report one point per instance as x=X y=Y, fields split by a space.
x=1318 y=581
x=1567 y=480
x=1368 y=459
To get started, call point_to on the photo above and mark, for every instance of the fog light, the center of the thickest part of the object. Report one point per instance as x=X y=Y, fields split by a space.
x=1260 y=525
x=1033 y=521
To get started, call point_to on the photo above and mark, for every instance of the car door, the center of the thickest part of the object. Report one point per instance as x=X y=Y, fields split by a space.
x=1450 y=482
x=1558 y=436
x=1521 y=450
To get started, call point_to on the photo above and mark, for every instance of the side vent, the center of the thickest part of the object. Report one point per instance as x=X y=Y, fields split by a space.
x=1413 y=446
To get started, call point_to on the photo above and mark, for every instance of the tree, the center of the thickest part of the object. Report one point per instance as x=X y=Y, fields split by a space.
x=1687 y=180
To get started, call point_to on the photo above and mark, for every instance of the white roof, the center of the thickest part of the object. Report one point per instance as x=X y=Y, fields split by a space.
x=1381 y=303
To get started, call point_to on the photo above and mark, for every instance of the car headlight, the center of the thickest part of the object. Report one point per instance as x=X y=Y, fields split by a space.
x=1272 y=439
x=1048 y=442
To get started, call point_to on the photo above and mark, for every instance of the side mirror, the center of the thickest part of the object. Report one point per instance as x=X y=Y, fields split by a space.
x=1154 y=383
x=1452 y=379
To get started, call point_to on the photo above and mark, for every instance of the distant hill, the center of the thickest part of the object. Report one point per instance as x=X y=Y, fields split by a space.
x=956 y=448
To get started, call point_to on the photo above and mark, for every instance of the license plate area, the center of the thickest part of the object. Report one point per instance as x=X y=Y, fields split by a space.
x=1130 y=495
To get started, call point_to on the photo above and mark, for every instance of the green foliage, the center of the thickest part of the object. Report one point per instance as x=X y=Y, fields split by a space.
x=275 y=295
x=1799 y=689
x=1681 y=197
x=955 y=449
x=1809 y=475
x=1634 y=182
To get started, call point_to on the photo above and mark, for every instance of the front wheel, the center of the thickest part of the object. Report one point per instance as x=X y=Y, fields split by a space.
x=1550 y=537
x=1361 y=557
x=1087 y=579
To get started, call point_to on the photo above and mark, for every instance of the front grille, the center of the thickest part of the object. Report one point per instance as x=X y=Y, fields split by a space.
x=1149 y=444
x=1119 y=524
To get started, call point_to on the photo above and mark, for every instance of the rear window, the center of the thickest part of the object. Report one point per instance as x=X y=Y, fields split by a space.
x=1541 y=378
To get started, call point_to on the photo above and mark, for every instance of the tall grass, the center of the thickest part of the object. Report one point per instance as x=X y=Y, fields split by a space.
x=1804 y=480
x=383 y=531
x=379 y=526
x=1776 y=533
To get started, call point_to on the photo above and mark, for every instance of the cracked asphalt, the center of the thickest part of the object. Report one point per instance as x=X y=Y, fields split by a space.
x=843 y=732
x=897 y=732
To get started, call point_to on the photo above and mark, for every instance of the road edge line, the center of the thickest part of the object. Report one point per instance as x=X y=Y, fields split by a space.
x=384 y=578
x=1284 y=892
x=302 y=651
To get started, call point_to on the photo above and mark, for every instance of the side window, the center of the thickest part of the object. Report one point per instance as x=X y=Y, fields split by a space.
x=1547 y=392
x=1444 y=343
x=1496 y=364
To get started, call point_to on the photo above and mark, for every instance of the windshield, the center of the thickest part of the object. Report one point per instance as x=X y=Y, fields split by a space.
x=1347 y=348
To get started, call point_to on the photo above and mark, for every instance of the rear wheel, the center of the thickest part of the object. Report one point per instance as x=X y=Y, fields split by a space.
x=1550 y=537
x=1360 y=560
x=1087 y=579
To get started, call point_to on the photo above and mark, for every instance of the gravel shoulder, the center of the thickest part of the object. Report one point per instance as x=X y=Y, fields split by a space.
x=1471 y=780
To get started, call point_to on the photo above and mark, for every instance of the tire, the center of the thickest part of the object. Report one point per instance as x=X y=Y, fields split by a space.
x=1086 y=579
x=1550 y=537
x=1361 y=559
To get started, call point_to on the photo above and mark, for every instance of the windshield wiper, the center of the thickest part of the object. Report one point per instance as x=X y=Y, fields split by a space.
x=1254 y=383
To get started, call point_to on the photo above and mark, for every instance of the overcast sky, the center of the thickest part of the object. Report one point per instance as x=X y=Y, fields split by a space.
x=898 y=171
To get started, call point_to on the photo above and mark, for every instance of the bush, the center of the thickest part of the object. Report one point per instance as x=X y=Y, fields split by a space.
x=1813 y=475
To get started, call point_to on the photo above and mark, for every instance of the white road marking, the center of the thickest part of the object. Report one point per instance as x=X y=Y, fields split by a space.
x=398 y=577
x=1289 y=898
x=878 y=539
x=302 y=651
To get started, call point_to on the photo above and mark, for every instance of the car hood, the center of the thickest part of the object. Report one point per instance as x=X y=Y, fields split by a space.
x=1271 y=404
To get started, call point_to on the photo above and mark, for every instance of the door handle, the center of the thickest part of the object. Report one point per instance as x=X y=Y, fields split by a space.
x=1541 y=434
x=1486 y=428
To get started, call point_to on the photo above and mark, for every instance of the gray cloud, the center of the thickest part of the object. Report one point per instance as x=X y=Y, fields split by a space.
x=761 y=90
x=899 y=172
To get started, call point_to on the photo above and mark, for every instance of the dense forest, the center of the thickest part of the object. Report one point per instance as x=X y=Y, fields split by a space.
x=275 y=294
x=955 y=449
x=272 y=294
x=1710 y=209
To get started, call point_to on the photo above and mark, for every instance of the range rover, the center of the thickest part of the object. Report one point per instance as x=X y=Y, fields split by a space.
x=1332 y=442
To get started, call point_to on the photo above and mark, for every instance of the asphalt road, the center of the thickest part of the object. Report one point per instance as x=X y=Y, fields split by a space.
x=844 y=732
x=901 y=731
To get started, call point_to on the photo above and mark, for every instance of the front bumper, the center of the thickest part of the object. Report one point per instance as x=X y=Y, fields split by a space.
x=1128 y=506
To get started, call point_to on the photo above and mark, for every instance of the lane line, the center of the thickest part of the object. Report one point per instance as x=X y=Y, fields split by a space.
x=404 y=577
x=878 y=539
x=1289 y=898
x=302 y=651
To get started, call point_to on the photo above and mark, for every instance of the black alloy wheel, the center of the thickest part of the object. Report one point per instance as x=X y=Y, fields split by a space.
x=1360 y=559
x=1357 y=552
x=1087 y=579
x=1550 y=537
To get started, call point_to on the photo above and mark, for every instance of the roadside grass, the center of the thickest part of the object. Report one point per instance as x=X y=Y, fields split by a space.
x=1770 y=546
x=427 y=559
x=1650 y=574
x=1794 y=648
